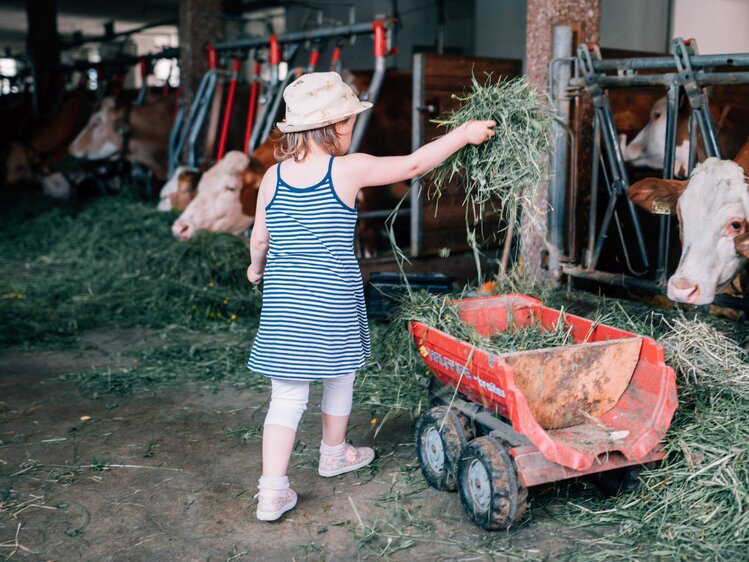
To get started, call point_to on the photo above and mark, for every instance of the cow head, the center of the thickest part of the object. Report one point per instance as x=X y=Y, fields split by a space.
x=179 y=190
x=648 y=148
x=102 y=136
x=19 y=163
x=226 y=198
x=713 y=210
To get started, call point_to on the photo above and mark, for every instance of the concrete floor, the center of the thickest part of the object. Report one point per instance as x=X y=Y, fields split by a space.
x=180 y=479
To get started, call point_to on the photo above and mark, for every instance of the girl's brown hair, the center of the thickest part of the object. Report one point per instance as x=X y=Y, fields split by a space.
x=297 y=145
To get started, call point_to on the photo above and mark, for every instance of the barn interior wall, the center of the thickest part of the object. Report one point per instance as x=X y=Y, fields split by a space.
x=720 y=26
x=417 y=31
x=635 y=25
x=500 y=29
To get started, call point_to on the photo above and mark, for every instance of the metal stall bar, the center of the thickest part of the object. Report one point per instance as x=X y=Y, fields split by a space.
x=143 y=68
x=234 y=76
x=690 y=75
x=275 y=103
x=274 y=59
x=560 y=71
x=335 y=59
x=614 y=161
x=314 y=58
x=254 y=87
x=668 y=62
x=382 y=47
x=696 y=95
x=417 y=139
x=305 y=36
x=185 y=134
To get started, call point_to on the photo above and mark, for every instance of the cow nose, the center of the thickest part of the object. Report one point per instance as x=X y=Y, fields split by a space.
x=181 y=230
x=683 y=290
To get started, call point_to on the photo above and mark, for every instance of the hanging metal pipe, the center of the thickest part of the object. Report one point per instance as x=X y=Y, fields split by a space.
x=381 y=50
x=274 y=58
x=304 y=36
x=559 y=82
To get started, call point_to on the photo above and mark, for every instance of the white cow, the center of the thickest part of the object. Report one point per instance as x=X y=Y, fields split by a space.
x=713 y=210
x=648 y=148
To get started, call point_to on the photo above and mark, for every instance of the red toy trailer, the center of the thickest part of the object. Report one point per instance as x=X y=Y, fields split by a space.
x=526 y=418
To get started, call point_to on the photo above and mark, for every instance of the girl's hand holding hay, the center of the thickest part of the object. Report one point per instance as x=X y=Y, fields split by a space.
x=253 y=276
x=479 y=131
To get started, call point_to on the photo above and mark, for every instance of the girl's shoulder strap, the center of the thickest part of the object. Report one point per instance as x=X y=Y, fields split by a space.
x=330 y=166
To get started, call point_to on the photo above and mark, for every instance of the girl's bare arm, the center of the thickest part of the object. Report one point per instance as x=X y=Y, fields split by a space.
x=260 y=237
x=362 y=170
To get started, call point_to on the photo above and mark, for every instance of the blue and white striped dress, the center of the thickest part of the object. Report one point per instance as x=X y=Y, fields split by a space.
x=313 y=324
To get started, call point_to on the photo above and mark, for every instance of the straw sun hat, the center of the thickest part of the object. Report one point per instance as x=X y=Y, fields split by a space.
x=317 y=100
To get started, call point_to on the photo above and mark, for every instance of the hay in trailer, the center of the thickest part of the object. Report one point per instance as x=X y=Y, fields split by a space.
x=439 y=311
x=508 y=169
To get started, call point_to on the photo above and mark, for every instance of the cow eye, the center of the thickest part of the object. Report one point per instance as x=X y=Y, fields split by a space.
x=230 y=188
x=657 y=114
x=736 y=225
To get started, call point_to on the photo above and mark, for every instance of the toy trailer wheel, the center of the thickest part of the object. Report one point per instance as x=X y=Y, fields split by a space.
x=488 y=485
x=440 y=438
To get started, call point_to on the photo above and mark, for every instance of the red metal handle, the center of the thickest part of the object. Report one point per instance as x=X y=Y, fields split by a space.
x=143 y=67
x=212 y=59
x=254 y=88
x=275 y=50
x=314 y=57
x=380 y=38
x=336 y=56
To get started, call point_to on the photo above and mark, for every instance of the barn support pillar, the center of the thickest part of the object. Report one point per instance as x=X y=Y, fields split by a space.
x=583 y=16
x=199 y=24
x=43 y=46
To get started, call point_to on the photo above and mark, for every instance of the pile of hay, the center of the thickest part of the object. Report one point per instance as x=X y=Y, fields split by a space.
x=115 y=263
x=508 y=169
x=695 y=506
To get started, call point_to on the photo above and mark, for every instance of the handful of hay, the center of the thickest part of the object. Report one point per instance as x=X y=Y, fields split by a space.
x=507 y=169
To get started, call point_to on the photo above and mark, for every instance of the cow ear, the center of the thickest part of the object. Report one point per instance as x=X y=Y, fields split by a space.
x=251 y=179
x=657 y=195
x=742 y=158
x=741 y=242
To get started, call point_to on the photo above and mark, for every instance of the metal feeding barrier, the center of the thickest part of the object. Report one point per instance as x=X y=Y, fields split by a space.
x=683 y=74
x=266 y=96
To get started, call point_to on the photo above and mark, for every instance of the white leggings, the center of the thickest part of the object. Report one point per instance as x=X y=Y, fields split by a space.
x=288 y=399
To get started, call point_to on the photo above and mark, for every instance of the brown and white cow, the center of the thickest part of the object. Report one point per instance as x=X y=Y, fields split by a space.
x=226 y=197
x=713 y=211
x=139 y=134
x=180 y=189
x=648 y=148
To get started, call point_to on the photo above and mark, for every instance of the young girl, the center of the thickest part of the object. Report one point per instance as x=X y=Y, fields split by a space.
x=313 y=324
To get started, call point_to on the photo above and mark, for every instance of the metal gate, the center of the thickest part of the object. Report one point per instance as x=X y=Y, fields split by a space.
x=683 y=74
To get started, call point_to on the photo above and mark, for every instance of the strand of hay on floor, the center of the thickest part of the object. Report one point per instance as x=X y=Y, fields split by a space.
x=508 y=169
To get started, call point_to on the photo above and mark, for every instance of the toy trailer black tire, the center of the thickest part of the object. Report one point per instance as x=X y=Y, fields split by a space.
x=438 y=445
x=488 y=485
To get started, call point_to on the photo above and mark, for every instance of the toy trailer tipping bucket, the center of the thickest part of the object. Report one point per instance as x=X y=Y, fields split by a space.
x=526 y=418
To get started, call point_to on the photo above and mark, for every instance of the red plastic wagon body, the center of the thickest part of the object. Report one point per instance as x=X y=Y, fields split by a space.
x=603 y=403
